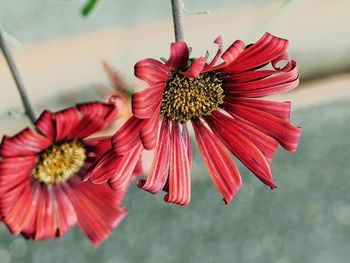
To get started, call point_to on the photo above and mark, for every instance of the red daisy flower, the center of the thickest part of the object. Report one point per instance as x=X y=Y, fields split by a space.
x=41 y=192
x=221 y=103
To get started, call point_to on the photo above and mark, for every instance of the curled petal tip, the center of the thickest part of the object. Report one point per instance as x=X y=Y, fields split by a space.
x=141 y=183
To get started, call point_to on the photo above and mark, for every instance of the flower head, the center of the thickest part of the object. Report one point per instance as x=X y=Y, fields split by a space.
x=221 y=101
x=42 y=194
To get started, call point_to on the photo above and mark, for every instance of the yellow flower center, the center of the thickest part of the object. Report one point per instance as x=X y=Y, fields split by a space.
x=60 y=162
x=187 y=98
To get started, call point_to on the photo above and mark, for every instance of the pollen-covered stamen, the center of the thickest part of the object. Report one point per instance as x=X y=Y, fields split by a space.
x=187 y=98
x=60 y=162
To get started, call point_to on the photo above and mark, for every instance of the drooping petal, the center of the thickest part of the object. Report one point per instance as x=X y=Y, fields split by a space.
x=221 y=168
x=66 y=121
x=160 y=166
x=265 y=50
x=102 y=110
x=144 y=103
x=64 y=211
x=25 y=143
x=14 y=171
x=246 y=151
x=263 y=142
x=122 y=174
x=46 y=125
x=16 y=205
x=279 y=83
x=45 y=225
x=28 y=227
x=278 y=109
x=285 y=133
x=149 y=131
x=179 y=55
x=127 y=137
x=179 y=173
x=152 y=71
x=187 y=142
x=101 y=171
x=96 y=207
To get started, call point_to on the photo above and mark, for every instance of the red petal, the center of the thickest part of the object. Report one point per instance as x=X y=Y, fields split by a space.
x=97 y=209
x=187 y=142
x=66 y=121
x=96 y=147
x=45 y=227
x=88 y=125
x=247 y=76
x=64 y=211
x=46 y=125
x=232 y=53
x=179 y=55
x=107 y=112
x=160 y=166
x=286 y=134
x=222 y=170
x=245 y=151
x=151 y=71
x=179 y=174
x=265 y=50
x=217 y=41
x=144 y=103
x=122 y=174
x=127 y=137
x=196 y=68
x=27 y=142
x=149 y=131
x=100 y=172
x=16 y=206
x=265 y=144
x=279 y=109
x=279 y=83
x=14 y=171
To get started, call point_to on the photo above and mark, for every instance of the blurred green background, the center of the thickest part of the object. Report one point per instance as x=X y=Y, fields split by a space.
x=307 y=219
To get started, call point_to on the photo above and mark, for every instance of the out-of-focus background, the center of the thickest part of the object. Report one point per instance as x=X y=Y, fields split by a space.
x=307 y=219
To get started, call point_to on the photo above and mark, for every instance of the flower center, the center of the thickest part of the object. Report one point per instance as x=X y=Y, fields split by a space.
x=60 y=162
x=187 y=98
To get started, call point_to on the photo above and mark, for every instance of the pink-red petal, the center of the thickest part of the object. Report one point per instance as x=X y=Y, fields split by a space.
x=97 y=209
x=222 y=170
x=45 y=124
x=196 y=68
x=145 y=103
x=179 y=173
x=149 y=131
x=278 y=109
x=152 y=71
x=25 y=143
x=264 y=51
x=160 y=166
x=285 y=133
x=263 y=142
x=66 y=122
x=179 y=55
x=246 y=151
x=128 y=136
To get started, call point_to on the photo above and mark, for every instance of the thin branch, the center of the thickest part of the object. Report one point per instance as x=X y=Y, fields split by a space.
x=27 y=103
x=178 y=8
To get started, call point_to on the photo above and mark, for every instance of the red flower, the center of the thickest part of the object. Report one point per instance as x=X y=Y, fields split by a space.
x=220 y=101
x=41 y=192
